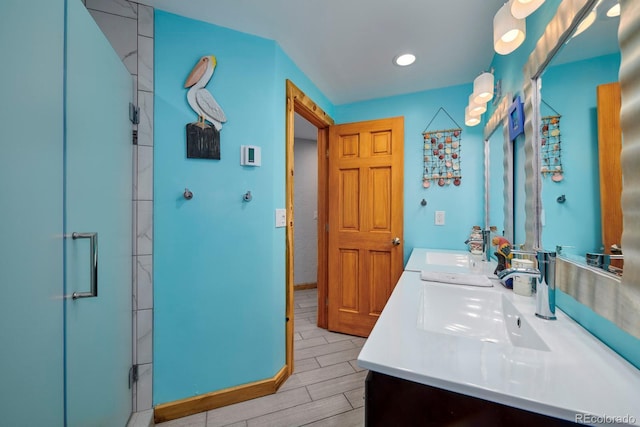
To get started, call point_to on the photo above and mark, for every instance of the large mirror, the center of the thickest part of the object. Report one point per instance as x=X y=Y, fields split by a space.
x=616 y=299
x=498 y=160
x=576 y=136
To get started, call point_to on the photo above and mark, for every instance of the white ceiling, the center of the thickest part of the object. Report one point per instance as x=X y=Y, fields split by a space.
x=346 y=47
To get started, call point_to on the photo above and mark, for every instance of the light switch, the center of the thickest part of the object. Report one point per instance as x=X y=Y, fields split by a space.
x=439 y=217
x=281 y=218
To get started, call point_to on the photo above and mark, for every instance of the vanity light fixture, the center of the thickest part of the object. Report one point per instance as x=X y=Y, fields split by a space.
x=483 y=88
x=476 y=109
x=520 y=9
x=470 y=120
x=508 y=32
x=614 y=11
x=404 y=59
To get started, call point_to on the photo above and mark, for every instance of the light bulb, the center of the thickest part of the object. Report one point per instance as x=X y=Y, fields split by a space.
x=470 y=120
x=404 y=60
x=508 y=32
x=483 y=88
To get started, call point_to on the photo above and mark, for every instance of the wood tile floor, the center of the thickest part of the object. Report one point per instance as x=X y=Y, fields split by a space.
x=326 y=389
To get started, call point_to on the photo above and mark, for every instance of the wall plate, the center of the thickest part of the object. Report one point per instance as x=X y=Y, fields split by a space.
x=250 y=155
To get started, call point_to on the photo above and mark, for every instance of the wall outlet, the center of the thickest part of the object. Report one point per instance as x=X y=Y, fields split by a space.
x=281 y=218
x=439 y=218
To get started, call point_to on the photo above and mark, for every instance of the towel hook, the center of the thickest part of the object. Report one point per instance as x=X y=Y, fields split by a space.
x=187 y=194
x=247 y=196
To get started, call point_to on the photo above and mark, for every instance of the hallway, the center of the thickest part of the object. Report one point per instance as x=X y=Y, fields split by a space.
x=327 y=388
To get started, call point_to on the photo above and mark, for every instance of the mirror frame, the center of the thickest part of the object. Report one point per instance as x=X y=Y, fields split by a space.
x=498 y=118
x=616 y=300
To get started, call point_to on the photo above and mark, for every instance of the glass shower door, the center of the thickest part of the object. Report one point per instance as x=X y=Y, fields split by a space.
x=97 y=227
x=31 y=176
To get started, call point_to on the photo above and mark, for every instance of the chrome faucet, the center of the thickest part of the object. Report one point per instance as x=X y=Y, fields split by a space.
x=546 y=286
x=545 y=276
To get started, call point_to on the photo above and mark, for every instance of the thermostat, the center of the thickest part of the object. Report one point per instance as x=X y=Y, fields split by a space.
x=250 y=155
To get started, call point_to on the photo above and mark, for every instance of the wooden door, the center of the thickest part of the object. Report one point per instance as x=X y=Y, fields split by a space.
x=609 y=148
x=365 y=216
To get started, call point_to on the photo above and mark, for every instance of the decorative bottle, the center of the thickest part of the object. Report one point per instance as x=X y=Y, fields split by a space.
x=475 y=240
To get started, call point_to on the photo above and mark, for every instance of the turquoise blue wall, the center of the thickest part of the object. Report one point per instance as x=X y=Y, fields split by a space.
x=509 y=69
x=219 y=262
x=575 y=99
x=463 y=205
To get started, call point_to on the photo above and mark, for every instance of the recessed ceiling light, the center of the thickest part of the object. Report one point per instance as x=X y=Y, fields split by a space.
x=614 y=11
x=404 y=59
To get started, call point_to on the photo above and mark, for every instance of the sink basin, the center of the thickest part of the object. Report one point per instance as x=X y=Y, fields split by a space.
x=477 y=314
x=448 y=261
x=451 y=259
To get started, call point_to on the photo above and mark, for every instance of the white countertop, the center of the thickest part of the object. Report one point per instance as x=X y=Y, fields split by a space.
x=579 y=375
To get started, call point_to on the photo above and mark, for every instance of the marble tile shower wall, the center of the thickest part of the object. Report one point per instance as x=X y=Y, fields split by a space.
x=129 y=28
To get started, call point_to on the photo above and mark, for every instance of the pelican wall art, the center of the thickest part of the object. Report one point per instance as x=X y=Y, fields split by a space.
x=203 y=136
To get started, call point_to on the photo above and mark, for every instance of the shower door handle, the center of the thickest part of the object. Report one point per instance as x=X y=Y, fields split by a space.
x=93 y=261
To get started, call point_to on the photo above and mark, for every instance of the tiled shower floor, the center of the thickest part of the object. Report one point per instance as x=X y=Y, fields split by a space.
x=326 y=389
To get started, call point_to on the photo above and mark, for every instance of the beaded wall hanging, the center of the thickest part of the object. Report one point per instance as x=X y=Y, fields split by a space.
x=551 y=147
x=441 y=155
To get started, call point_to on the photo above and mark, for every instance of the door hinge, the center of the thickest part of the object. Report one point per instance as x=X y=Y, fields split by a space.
x=133 y=375
x=326 y=227
x=326 y=301
x=134 y=113
x=327 y=153
x=134 y=137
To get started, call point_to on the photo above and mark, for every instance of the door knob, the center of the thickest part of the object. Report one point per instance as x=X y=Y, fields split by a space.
x=396 y=241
